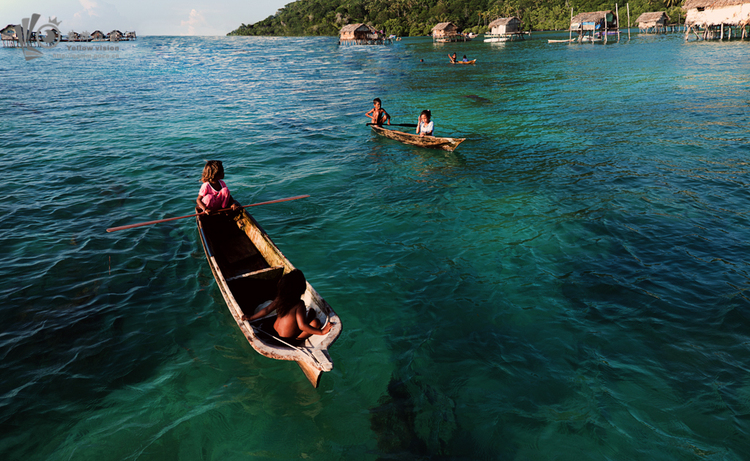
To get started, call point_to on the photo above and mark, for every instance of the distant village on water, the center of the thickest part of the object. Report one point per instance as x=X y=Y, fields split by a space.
x=9 y=36
x=705 y=19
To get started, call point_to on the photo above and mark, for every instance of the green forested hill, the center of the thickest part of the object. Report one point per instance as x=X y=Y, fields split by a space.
x=417 y=17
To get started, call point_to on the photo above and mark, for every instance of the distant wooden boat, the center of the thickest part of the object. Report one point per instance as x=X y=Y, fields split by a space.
x=567 y=40
x=247 y=267
x=464 y=62
x=432 y=142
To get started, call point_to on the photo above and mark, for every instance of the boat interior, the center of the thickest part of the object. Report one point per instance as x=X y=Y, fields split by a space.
x=249 y=276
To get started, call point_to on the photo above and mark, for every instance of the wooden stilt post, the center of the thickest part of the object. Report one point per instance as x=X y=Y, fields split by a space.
x=605 y=29
x=617 y=14
x=570 y=37
x=628 y=21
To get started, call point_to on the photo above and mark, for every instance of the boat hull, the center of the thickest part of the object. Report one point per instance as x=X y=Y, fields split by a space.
x=247 y=265
x=432 y=142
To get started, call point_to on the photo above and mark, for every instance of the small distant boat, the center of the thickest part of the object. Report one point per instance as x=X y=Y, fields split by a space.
x=567 y=40
x=432 y=142
x=464 y=62
x=247 y=267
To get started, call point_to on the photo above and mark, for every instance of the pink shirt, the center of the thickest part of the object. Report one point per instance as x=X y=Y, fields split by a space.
x=213 y=199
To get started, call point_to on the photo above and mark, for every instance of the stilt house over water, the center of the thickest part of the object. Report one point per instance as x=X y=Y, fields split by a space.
x=115 y=36
x=8 y=34
x=595 y=26
x=717 y=19
x=653 y=22
x=447 y=32
x=361 y=34
x=504 y=29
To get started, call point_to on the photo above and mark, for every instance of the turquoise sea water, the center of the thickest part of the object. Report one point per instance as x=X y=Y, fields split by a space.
x=569 y=284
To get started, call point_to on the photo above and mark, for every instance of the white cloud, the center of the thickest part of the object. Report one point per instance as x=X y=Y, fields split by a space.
x=196 y=19
x=88 y=8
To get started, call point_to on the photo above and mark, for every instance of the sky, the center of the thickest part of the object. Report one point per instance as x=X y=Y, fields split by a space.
x=145 y=17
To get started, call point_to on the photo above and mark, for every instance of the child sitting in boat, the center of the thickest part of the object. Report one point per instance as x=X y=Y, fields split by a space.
x=424 y=125
x=377 y=114
x=214 y=193
x=293 y=322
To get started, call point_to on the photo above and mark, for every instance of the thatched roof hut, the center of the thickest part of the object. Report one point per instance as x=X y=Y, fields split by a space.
x=130 y=35
x=8 y=35
x=115 y=36
x=656 y=19
x=361 y=34
x=706 y=13
x=444 y=30
x=501 y=26
x=357 y=32
x=9 y=32
x=594 y=21
x=97 y=35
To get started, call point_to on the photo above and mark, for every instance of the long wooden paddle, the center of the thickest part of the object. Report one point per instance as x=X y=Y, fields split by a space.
x=413 y=125
x=130 y=226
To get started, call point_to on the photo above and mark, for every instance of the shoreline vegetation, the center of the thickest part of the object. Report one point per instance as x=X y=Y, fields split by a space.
x=408 y=18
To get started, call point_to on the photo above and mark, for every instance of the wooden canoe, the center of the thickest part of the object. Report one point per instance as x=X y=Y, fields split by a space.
x=247 y=266
x=473 y=61
x=432 y=142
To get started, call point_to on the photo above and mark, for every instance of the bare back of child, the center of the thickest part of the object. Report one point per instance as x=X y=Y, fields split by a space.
x=292 y=319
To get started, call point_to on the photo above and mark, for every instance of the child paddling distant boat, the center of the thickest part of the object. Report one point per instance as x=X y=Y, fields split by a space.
x=377 y=114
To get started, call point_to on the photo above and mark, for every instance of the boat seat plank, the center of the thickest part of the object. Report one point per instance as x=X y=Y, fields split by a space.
x=267 y=273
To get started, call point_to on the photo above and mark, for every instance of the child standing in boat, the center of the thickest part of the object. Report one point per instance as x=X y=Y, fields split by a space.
x=424 y=125
x=293 y=321
x=214 y=194
x=377 y=114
